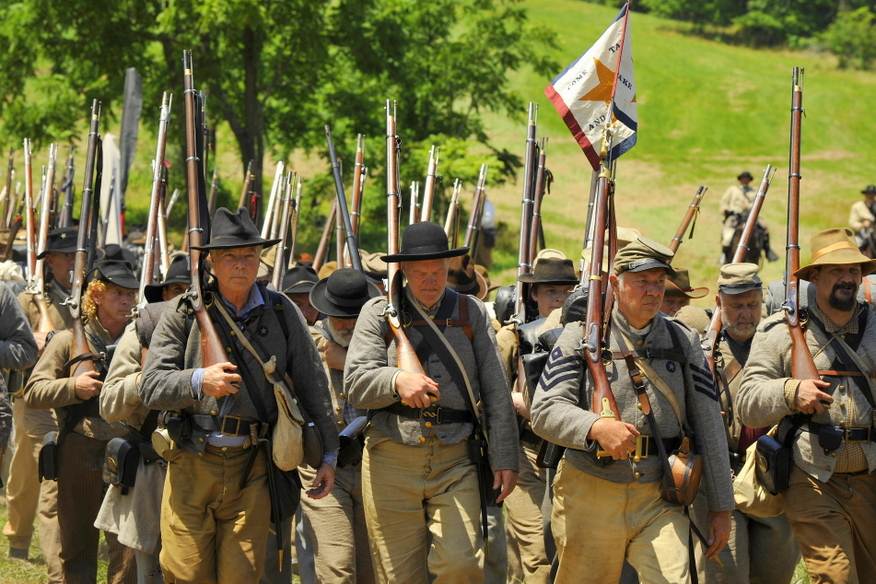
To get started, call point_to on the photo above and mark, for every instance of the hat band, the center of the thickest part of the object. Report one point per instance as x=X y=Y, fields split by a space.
x=345 y=302
x=420 y=249
x=834 y=247
x=739 y=288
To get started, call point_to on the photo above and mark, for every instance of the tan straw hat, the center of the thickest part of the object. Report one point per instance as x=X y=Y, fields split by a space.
x=836 y=247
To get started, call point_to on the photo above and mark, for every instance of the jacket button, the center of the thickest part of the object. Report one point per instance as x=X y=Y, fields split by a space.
x=200 y=439
x=428 y=424
x=833 y=453
x=842 y=387
x=341 y=396
x=637 y=475
x=422 y=438
x=213 y=412
x=827 y=468
x=339 y=410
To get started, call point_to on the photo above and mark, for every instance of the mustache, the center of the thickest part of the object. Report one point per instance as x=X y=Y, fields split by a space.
x=844 y=286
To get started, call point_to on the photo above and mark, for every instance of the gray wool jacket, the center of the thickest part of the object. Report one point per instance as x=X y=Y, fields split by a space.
x=174 y=355
x=370 y=372
x=561 y=405
x=18 y=350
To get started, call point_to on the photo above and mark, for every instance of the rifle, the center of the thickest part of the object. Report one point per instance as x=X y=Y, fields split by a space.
x=294 y=228
x=80 y=349
x=405 y=355
x=171 y=203
x=163 y=248
x=37 y=281
x=802 y=364
x=429 y=191
x=477 y=207
x=212 y=348
x=326 y=236
x=247 y=186
x=66 y=217
x=452 y=211
x=414 y=216
x=710 y=346
x=343 y=213
x=524 y=262
x=269 y=230
x=7 y=191
x=359 y=172
x=147 y=274
x=543 y=178
x=692 y=211
x=280 y=261
x=30 y=221
x=214 y=190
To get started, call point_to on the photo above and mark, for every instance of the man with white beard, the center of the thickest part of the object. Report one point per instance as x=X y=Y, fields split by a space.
x=337 y=522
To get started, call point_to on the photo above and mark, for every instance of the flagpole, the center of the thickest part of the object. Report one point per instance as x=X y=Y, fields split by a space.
x=620 y=59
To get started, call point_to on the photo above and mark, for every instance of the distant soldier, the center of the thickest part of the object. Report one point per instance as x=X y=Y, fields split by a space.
x=861 y=218
x=678 y=292
x=735 y=204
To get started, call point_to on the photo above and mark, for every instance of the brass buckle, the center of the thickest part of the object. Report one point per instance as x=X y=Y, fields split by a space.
x=226 y=431
x=848 y=429
x=642 y=444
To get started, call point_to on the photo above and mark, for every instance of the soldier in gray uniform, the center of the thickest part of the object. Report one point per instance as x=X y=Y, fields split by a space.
x=417 y=475
x=609 y=510
x=828 y=422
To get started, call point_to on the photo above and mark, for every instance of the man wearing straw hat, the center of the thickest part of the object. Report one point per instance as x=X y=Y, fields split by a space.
x=216 y=506
x=831 y=499
x=418 y=480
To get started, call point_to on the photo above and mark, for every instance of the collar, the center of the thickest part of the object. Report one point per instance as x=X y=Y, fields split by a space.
x=740 y=350
x=429 y=311
x=255 y=300
x=624 y=325
x=831 y=327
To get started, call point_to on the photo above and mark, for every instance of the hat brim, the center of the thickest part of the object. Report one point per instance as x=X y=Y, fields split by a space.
x=692 y=293
x=71 y=249
x=326 y=307
x=234 y=243
x=868 y=266
x=531 y=278
x=733 y=290
x=126 y=282
x=154 y=292
x=421 y=257
x=647 y=264
x=303 y=287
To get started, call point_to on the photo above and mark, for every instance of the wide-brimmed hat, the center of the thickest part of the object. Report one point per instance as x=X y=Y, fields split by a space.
x=61 y=240
x=424 y=241
x=643 y=254
x=343 y=294
x=678 y=284
x=115 y=272
x=177 y=273
x=739 y=278
x=836 y=246
x=743 y=175
x=551 y=271
x=230 y=230
x=869 y=190
x=299 y=280
x=464 y=278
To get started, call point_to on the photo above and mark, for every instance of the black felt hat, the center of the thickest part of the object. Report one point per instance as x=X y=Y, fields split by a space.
x=232 y=230
x=343 y=294
x=61 y=240
x=177 y=273
x=115 y=272
x=745 y=174
x=870 y=190
x=299 y=280
x=424 y=241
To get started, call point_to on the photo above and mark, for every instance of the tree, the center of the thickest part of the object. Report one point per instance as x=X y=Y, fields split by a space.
x=852 y=37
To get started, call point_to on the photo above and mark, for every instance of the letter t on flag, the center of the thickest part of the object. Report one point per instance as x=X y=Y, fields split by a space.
x=596 y=94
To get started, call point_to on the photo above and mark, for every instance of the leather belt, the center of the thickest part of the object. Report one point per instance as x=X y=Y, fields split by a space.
x=228 y=425
x=669 y=443
x=851 y=434
x=527 y=436
x=433 y=414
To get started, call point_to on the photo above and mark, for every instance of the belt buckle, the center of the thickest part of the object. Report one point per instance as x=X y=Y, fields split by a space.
x=237 y=423
x=642 y=444
x=438 y=415
x=848 y=440
x=429 y=414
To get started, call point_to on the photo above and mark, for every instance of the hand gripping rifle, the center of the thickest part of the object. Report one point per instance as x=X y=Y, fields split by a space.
x=37 y=283
x=406 y=356
x=212 y=350
x=429 y=189
x=689 y=217
x=802 y=364
x=147 y=275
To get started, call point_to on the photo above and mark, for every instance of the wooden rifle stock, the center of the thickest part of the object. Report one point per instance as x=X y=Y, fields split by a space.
x=294 y=226
x=536 y=234
x=212 y=350
x=406 y=356
x=802 y=364
x=343 y=216
x=524 y=261
x=358 y=184
x=280 y=261
x=692 y=212
x=477 y=207
x=247 y=186
x=429 y=189
x=322 y=248
x=147 y=275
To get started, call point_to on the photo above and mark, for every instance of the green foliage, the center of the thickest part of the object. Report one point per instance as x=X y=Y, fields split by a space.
x=852 y=37
x=698 y=12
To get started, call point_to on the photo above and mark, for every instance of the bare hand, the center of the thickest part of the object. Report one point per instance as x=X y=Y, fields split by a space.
x=87 y=385
x=507 y=479
x=218 y=382
x=520 y=405
x=719 y=532
x=416 y=390
x=335 y=355
x=323 y=483
x=40 y=339
x=809 y=396
x=618 y=438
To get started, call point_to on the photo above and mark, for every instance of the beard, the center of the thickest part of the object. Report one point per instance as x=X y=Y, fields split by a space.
x=340 y=336
x=841 y=303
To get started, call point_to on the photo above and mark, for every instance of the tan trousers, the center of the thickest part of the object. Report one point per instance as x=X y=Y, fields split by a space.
x=524 y=526
x=835 y=525
x=26 y=496
x=212 y=530
x=597 y=524
x=412 y=491
x=337 y=528
x=80 y=494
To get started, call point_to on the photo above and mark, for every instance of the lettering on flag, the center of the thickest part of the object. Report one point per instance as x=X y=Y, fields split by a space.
x=598 y=91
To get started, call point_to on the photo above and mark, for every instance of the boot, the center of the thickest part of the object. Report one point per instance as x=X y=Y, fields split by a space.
x=770 y=254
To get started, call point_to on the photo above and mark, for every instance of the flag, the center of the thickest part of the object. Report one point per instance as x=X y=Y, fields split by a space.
x=597 y=91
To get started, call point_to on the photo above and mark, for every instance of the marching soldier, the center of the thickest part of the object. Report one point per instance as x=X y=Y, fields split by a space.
x=861 y=218
x=831 y=500
x=417 y=474
x=606 y=511
x=737 y=199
